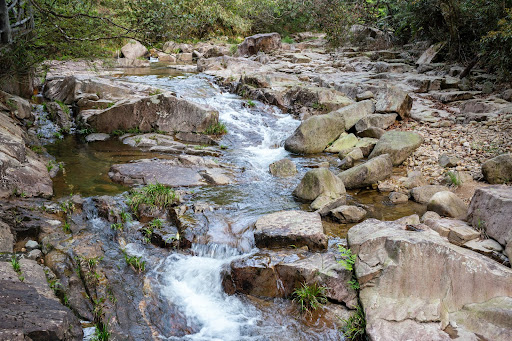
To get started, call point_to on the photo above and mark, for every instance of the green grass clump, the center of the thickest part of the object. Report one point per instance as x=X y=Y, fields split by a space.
x=454 y=179
x=288 y=40
x=349 y=258
x=310 y=297
x=218 y=128
x=354 y=327
x=135 y=262
x=154 y=195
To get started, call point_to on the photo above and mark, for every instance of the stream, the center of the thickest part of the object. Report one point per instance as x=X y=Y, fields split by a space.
x=192 y=282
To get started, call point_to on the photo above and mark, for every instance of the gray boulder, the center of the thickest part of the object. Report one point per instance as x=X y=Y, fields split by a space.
x=448 y=204
x=283 y=168
x=134 y=50
x=381 y=121
x=368 y=173
x=6 y=238
x=498 y=170
x=423 y=194
x=286 y=228
x=398 y=145
x=448 y=161
x=323 y=188
x=266 y=42
x=345 y=141
x=392 y=99
x=348 y=214
x=372 y=132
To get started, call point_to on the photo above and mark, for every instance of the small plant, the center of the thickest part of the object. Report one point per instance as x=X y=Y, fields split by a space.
x=125 y=216
x=223 y=147
x=310 y=297
x=118 y=132
x=101 y=333
x=354 y=284
x=66 y=227
x=349 y=258
x=288 y=40
x=67 y=206
x=58 y=135
x=454 y=179
x=135 y=130
x=50 y=166
x=251 y=104
x=135 y=262
x=117 y=226
x=15 y=264
x=37 y=149
x=354 y=327
x=156 y=223
x=137 y=140
x=156 y=92
x=153 y=195
x=319 y=106
x=218 y=128
x=233 y=49
x=201 y=147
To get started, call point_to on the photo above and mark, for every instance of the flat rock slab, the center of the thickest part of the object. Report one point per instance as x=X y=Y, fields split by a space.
x=368 y=173
x=457 y=231
x=174 y=173
x=279 y=273
x=398 y=145
x=452 y=96
x=286 y=228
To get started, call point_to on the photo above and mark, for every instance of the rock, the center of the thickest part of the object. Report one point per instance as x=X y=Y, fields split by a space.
x=348 y=214
x=31 y=244
x=366 y=144
x=457 y=231
x=18 y=106
x=6 y=238
x=60 y=114
x=29 y=310
x=278 y=273
x=128 y=63
x=355 y=154
x=266 y=42
x=314 y=134
x=490 y=210
x=414 y=179
x=386 y=186
x=134 y=50
x=35 y=254
x=391 y=99
x=449 y=161
x=196 y=138
x=345 y=141
x=508 y=251
x=327 y=202
x=381 y=121
x=498 y=170
x=353 y=113
x=283 y=168
x=485 y=246
x=185 y=171
x=364 y=96
x=166 y=57
x=372 y=132
x=368 y=173
x=437 y=281
x=398 y=145
x=398 y=198
x=428 y=56
x=452 y=96
x=97 y=137
x=423 y=194
x=409 y=220
x=430 y=215
x=163 y=112
x=448 y=204
x=319 y=182
x=286 y=228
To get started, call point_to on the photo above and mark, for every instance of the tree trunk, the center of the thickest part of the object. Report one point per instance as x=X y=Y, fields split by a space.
x=5 y=27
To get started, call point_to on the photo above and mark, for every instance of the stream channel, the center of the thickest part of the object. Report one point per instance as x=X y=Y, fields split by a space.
x=191 y=281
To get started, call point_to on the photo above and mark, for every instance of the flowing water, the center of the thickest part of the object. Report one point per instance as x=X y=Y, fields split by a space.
x=193 y=282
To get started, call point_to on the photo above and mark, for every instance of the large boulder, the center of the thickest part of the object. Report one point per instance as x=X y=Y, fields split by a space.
x=6 y=238
x=415 y=284
x=498 y=170
x=29 y=309
x=314 y=134
x=458 y=232
x=381 y=121
x=278 y=273
x=345 y=141
x=161 y=112
x=392 y=99
x=290 y=228
x=423 y=194
x=134 y=50
x=398 y=145
x=18 y=106
x=448 y=204
x=283 y=168
x=491 y=210
x=323 y=188
x=368 y=173
x=355 y=112
x=266 y=42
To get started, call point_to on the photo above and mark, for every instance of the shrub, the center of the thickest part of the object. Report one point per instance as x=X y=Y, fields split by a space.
x=310 y=297
x=349 y=258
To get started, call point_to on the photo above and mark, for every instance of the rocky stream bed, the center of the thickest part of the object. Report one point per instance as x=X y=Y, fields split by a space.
x=384 y=152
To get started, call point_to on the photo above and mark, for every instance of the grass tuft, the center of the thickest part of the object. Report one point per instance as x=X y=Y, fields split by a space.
x=154 y=195
x=218 y=128
x=310 y=297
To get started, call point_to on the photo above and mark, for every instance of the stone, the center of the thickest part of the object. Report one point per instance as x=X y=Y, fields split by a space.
x=276 y=274
x=18 y=106
x=398 y=198
x=366 y=144
x=392 y=99
x=286 y=228
x=382 y=121
x=372 y=132
x=327 y=202
x=355 y=154
x=266 y=42
x=508 y=251
x=29 y=310
x=448 y=204
x=437 y=281
x=97 y=137
x=185 y=171
x=134 y=50
x=485 y=246
x=6 y=238
x=428 y=56
x=345 y=141
x=399 y=145
x=60 y=114
x=348 y=214
x=354 y=112
x=423 y=194
x=368 y=173
x=364 y=96
x=163 y=112
x=430 y=215
x=452 y=96
x=31 y=244
x=490 y=210
x=448 y=161
x=35 y=254
x=498 y=170
x=283 y=168
x=319 y=182
x=414 y=179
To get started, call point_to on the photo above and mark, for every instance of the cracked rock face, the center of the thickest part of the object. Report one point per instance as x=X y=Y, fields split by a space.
x=416 y=284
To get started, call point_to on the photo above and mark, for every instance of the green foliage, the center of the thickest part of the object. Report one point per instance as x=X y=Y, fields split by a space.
x=354 y=328
x=251 y=104
x=15 y=264
x=135 y=262
x=218 y=128
x=66 y=227
x=37 y=149
x=101 y=333
x=287 y=40
x=153 y=195
x=310 y=297
x=117 y=226
x=454 y=178
x=155 y=223
x=349 y=258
